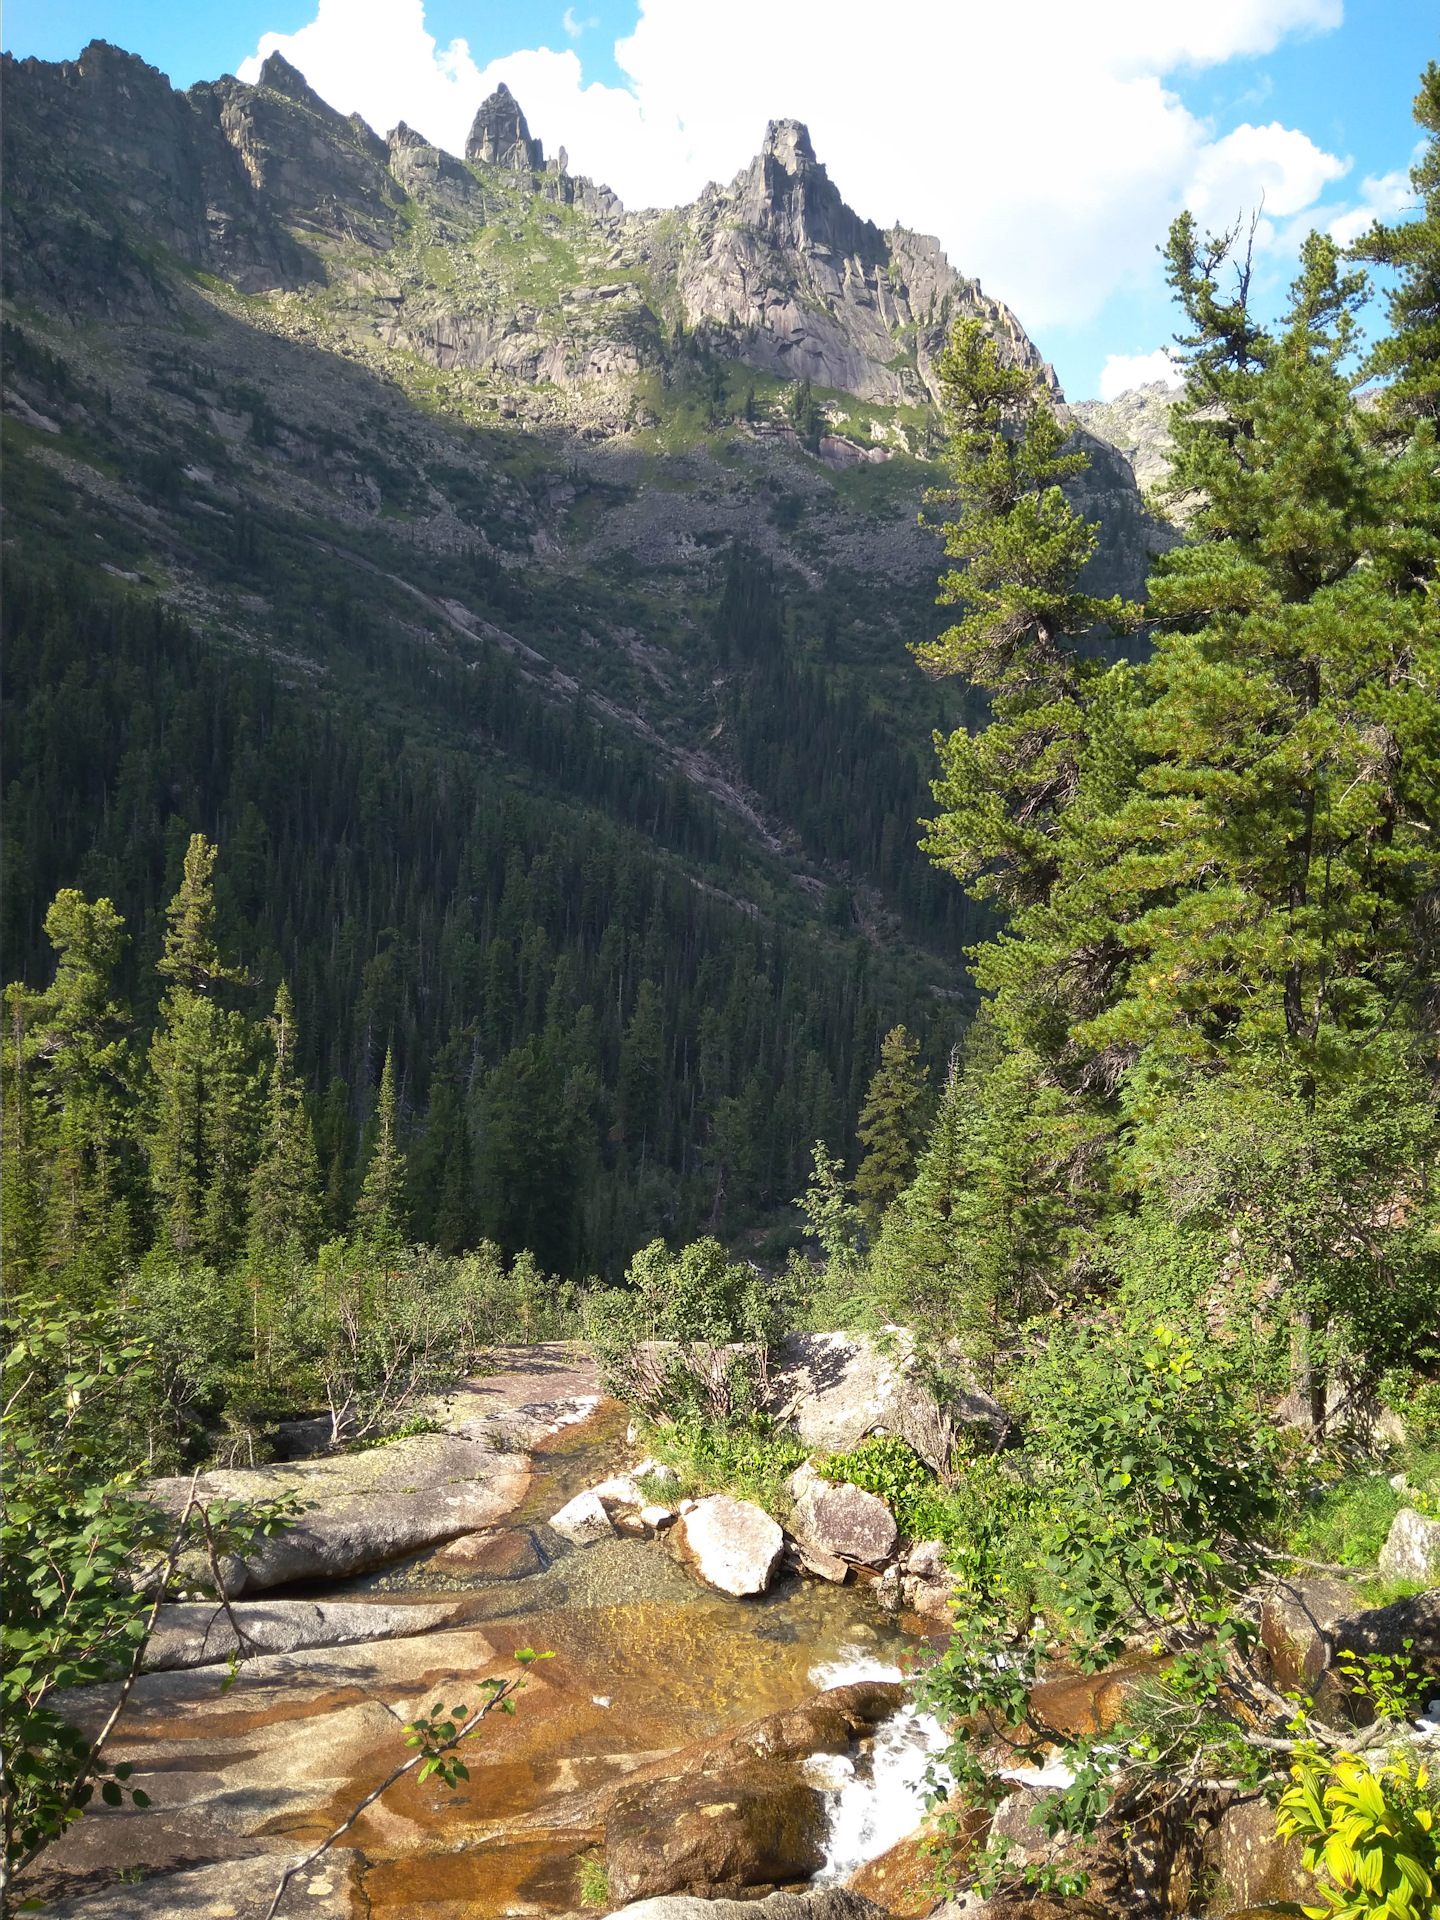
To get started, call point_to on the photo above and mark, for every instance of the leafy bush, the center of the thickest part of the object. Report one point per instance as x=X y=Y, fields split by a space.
x=746 y=1457
x=1374 y=1836
x=688 y=1337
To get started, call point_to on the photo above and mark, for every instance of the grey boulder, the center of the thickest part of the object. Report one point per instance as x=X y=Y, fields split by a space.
x=200 y=1634
x=733 y=1545
x=839 y=1519
x=1412 y=1548
x=832 y=1389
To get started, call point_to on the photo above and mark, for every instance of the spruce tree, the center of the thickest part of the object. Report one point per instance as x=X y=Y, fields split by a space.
x=205 y=1090
x=1021 y=547
x=285 y=1188
x=380 y=1209
x=69 y=1085
x=890 y=1124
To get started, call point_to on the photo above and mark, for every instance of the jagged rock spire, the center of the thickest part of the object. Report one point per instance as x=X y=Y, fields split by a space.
x=500 y=138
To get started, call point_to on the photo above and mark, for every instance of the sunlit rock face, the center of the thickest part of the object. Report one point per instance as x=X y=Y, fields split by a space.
x=807 y=289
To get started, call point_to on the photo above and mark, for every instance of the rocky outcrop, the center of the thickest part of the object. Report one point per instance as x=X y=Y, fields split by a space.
x=733 y=1545
x=499 y=136
x=840 y=1520
x=832 y=1389
x=1412 y=1547
x=753 y=1824
x=1297 y=1629
x=1409 y=1625
x=365 y=1509
x=800 y=285
x=233 y=1888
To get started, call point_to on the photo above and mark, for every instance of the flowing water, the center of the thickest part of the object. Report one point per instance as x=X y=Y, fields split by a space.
x=646 y=1661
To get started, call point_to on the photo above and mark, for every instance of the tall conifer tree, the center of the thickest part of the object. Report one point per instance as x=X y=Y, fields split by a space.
x=285 y=1188
x=205 y=1086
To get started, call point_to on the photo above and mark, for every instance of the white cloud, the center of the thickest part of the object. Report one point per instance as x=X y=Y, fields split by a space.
x=576 y=27
x=1126 y=370
x=1382 y=196
x=1052 y=179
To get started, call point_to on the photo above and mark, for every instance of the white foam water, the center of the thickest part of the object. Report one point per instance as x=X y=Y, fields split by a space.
x=879 y=1800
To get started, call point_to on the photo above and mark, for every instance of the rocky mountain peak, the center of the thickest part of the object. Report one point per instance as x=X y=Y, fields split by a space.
x=278 y=74
x=788 y=141
x=499 y=136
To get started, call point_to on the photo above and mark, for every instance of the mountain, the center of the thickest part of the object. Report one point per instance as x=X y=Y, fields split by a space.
x=518 y=588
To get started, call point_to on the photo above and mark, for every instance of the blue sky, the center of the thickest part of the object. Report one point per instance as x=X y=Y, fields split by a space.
x=1122 y=110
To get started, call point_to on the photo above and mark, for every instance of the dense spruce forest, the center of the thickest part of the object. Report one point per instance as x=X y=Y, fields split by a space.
x=565 y=995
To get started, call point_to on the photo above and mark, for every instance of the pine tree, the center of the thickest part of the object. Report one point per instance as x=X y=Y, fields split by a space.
x=285 y=1187
x=1409 y=356
x=1022 y=546
x=204 y=1081
x=642 y=1067
x=890 y=1124
x=380 y=1209
x=69 y=1097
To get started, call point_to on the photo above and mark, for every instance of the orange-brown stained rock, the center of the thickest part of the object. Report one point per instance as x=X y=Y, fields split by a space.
x=503 y=1556
x=1088 y=1703
x=902 y=1880
x=751 y=1825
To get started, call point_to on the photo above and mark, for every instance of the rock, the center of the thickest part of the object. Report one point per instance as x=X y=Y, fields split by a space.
x=658 y=1517
x=366 y=1509
x=1254 y=1864
x=832 y=1389
x=229 y=1890
x=754 y=1824
x=926 y=1559
x=1386 y=1630
x=619 y=1490
x=510 y=1555
x=499 y=136
x=826 y=1724
x=583 y=1521
x=840 y=1519
x=820 y=1903
x=1297 y=1629
x=1412 y=1548
x=199 y=1634
x=929 y=1598
x=902 y=1879
x=656 y=1472
x=825 y=1566
x=1088 y=1703
x=732 y=1544
x=889 y=1590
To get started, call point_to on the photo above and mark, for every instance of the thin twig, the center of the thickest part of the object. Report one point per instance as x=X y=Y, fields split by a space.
x=300 y=1866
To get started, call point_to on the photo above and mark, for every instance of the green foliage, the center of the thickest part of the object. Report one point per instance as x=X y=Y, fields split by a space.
x=1374 y=1836
x=594 y=1876
x=1160 y=1477
x=743 y=1456
x=80 y=1555
x=1022 y=547
x=890 y=1124
x=1408 y=357
x=687 y=1338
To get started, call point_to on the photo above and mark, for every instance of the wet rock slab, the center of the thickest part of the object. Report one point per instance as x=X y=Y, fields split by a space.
x=202 y=1633
x=365 y=1509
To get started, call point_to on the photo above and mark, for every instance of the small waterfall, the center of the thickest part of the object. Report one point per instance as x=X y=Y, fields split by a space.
x=879 y=1799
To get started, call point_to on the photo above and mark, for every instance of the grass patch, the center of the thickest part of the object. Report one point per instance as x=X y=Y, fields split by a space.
x=1346 y=1522
x=749 y=1460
